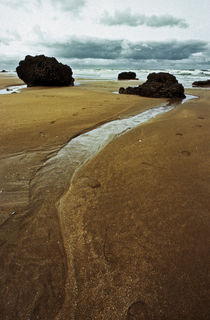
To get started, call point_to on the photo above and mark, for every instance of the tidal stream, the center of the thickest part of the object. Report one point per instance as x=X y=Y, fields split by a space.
x=13 y=89
x=57 y=172
x=34 y=265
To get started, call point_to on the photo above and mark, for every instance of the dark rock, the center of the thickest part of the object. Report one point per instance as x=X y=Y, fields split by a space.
x=44 y=71
x=3 y=70
x=129 y=90
x=158 y=85
x=127 y=76
x=205 y=83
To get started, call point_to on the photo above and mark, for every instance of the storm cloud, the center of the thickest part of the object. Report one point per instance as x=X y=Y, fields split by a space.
x=88 y=48
x=133 y=20
x=171 y=50
x=120 y=49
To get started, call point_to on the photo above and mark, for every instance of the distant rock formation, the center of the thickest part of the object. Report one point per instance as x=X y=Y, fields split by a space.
x=205 y=83
x=158 y=85
x=44 y=71
x=127 y=76
x=3 y=70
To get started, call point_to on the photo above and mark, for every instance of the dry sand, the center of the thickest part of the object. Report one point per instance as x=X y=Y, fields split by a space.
x=129 y=238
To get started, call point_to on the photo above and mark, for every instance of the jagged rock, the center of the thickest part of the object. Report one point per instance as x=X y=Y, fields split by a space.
x=158 y=85
x=44 y=71
x=127 y=76
x=205 y=83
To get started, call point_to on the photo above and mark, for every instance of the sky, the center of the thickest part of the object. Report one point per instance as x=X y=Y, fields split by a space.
x=119 y=34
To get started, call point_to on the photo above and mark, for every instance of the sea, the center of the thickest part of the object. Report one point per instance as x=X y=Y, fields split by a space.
x=185 y=77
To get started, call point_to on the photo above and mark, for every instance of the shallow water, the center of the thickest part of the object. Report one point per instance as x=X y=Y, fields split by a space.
x=13 y=89
x=56 y=174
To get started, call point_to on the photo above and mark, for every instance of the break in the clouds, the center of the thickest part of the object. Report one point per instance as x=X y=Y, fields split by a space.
x=121 y=49
x=127 y=18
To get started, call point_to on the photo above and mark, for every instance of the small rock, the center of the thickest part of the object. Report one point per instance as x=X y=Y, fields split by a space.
x=205 y=83
x=127 y=76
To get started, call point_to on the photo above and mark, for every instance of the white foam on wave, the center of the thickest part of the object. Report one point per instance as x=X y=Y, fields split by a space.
x=185 y=76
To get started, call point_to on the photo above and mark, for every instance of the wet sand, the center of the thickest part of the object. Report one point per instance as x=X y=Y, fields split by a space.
x=128 y=239
x=37 y=122
x=140 y=236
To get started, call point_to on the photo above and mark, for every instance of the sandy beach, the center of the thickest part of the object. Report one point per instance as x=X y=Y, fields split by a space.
x=128 y=236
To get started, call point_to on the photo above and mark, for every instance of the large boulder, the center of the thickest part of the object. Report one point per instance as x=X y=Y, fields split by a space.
x=127 y=76
x=158 y=85
x=205 y=83
x=44 y=71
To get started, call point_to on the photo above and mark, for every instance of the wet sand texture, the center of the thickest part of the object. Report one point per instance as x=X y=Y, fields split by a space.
x=128 y=237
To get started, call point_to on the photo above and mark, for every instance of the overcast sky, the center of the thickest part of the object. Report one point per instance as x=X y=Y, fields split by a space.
x=113 y=33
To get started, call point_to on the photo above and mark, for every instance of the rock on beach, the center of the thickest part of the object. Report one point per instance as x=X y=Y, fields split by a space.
x=205 y=83
x=127 y=76
x=44 y=71
x=158 y=85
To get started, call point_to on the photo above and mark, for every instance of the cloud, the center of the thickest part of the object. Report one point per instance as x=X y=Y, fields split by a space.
x=119 y=49
x=4 y=41
x=88 y=48
x=133 y=20
x=170 y=50
x=8 y=63
x=17 y=4
x=65 y=5
x=69 y=5
x=88 y=52
x=8 y=36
